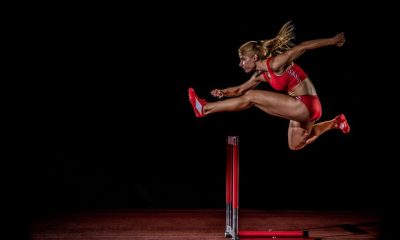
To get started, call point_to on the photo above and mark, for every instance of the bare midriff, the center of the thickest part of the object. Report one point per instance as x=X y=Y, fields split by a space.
x=305 y=87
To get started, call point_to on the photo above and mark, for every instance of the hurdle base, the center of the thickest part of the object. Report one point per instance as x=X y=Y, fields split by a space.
x=273 y=234
x=277 y=238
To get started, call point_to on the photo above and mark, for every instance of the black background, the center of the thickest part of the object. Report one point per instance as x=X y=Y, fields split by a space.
x=109 y=124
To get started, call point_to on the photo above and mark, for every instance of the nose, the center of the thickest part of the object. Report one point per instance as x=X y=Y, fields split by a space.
x=240 y=64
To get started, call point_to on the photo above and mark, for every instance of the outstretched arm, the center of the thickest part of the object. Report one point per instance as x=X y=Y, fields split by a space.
x=237 y=90
x=282 y=60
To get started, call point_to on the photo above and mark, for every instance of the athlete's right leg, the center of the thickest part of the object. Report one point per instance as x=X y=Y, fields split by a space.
x=228 y=105
x=278 y=104
x=202 y=108
x=197 y=103
x=273 y=103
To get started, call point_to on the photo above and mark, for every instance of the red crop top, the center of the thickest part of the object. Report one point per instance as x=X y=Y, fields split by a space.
x=292 y=76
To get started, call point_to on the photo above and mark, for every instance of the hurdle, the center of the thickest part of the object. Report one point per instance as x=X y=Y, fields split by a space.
x=232 y=201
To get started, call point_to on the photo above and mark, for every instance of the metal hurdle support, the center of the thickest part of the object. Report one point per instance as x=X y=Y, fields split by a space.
x=232 y=201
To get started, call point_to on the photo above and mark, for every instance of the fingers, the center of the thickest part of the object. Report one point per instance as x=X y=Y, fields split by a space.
x=340 y=39
x=217 y=93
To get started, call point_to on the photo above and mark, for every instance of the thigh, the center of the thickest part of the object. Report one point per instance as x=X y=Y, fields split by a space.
x=279 y=104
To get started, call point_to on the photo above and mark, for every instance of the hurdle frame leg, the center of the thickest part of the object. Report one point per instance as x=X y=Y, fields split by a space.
x=232 y=200
x=228 y=227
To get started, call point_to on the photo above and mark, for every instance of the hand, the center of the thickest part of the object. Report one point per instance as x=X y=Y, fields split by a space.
x=217 y=93
x=339 y=39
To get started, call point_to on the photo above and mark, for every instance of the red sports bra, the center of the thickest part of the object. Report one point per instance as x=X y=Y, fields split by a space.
x=286 y=81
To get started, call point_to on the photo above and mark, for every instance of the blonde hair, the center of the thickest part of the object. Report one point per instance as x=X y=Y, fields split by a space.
x=264 y=48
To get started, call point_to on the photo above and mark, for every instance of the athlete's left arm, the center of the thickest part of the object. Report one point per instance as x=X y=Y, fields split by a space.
x=280 y=61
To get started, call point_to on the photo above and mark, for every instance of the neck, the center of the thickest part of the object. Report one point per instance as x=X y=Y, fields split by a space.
x=261 y=65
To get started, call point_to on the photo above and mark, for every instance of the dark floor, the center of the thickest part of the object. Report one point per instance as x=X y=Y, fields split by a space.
x=201 y=224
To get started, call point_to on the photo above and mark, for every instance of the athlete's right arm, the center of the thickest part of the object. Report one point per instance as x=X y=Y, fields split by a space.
x=237 y=90
x=280 y=62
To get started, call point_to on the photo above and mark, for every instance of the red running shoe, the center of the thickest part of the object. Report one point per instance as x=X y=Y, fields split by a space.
x=342 y=123
x=197 y=103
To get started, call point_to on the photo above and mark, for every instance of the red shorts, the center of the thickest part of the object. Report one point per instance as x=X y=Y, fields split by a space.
x=313 y=105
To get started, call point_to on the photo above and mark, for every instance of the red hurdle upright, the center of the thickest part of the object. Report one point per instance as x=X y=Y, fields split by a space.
x=232 y=201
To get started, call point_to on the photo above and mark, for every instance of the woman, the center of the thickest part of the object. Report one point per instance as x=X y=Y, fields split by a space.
x=273 y=61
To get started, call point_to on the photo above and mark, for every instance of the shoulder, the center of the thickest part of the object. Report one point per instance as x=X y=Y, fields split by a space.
x=279 y=63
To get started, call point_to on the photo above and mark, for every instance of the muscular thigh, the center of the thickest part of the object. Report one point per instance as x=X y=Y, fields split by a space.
x=279 y=104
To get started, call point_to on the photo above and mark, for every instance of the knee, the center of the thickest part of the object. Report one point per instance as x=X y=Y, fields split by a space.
x=249 y=96
x=249 y=93
x=298 y=136
x=296 y=147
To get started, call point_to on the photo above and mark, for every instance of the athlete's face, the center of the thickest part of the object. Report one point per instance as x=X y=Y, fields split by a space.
x=248 y=63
